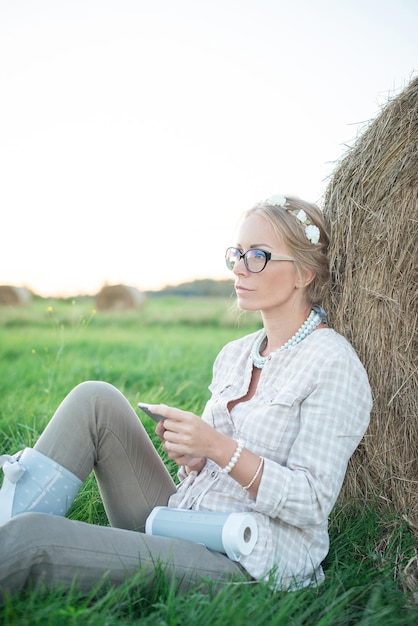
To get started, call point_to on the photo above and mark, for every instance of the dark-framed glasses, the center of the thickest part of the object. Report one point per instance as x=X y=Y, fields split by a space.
x=254 y=260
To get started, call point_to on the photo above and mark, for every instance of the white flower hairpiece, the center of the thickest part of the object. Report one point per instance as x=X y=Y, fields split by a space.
x=312 y=231
x=277 y=201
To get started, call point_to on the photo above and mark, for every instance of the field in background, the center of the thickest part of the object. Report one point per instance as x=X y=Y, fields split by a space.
x=164 y=352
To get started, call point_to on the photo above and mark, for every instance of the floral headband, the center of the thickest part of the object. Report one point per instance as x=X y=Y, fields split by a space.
x=312 y=231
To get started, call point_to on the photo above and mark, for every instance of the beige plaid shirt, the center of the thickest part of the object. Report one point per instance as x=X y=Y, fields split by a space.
x=308 y=415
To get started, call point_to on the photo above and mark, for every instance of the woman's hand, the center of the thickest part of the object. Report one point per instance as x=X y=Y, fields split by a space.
x=189 y=441
x=192 y=463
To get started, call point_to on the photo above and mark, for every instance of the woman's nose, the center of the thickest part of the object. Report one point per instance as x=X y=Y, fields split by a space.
x=239 y=267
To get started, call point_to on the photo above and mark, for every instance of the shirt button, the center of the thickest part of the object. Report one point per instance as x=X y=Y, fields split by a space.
x=213 y=474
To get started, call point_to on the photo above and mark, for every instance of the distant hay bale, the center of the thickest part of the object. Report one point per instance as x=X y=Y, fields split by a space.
x=14 y=296
x=371 y=205
x=119 y=298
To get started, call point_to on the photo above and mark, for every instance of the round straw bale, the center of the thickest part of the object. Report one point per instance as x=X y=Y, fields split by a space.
x=119 y=298
x=14 y=296
x=371 y=204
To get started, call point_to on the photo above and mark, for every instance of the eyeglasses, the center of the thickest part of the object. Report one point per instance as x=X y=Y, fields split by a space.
x=254 y=260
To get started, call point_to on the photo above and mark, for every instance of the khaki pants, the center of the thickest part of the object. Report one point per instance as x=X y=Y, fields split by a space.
x=96 y=429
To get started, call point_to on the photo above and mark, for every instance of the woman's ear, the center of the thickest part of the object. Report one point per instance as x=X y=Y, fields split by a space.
x=306 y=276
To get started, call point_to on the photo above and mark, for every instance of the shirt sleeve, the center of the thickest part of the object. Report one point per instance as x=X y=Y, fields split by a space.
x=333 y=419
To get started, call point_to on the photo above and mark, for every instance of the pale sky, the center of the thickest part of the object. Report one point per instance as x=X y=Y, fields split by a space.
x=133 y=133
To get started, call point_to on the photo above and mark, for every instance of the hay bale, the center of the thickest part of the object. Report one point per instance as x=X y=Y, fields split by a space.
x=119 y=298
x=371 y=204
x=14 y=296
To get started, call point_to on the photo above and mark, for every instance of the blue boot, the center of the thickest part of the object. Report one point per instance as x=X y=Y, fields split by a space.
x=33 y=482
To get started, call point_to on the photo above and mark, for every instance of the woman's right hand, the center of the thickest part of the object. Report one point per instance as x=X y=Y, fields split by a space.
x=159 y=430
x=195 y=464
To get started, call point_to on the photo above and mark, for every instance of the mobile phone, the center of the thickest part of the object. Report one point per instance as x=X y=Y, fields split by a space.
x=147 y=409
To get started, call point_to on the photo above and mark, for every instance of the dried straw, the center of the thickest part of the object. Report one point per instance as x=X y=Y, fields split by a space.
x=119 y=298
x=14 y=296
x=371 y=204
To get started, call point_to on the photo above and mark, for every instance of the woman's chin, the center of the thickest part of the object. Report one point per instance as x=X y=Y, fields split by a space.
x=244 y=305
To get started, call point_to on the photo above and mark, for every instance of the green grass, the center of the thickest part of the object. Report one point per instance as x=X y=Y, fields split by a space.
x=165 y=353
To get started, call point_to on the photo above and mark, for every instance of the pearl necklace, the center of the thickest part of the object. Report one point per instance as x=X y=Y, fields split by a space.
x=316 y=316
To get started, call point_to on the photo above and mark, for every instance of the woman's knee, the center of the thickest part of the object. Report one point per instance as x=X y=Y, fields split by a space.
x=33 y=548
x=94 y=388
x=26 y=533
x=93 y=393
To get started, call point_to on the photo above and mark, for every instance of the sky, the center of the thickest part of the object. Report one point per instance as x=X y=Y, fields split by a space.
x=134 y=133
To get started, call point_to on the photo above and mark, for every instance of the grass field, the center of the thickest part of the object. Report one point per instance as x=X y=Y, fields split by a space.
x=165 y=353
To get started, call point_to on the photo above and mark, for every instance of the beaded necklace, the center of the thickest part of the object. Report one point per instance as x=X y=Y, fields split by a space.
x=316 y=316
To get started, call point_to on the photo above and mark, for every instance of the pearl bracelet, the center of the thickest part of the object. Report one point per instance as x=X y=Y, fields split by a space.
x=234 y=458
x=254 y=478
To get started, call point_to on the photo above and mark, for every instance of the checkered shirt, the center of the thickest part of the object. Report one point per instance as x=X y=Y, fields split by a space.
x=309 y=413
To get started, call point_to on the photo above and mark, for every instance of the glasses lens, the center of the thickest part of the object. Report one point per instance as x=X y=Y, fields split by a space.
x=255 y=260
x=232 y=256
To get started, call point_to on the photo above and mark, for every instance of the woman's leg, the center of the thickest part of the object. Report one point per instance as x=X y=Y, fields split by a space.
x=45 y=551
x=96 y=428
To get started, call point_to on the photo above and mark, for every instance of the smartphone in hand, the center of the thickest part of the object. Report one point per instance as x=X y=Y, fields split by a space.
x=147 y=409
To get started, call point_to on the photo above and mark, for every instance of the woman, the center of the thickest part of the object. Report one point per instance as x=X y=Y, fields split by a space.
x=289 y=405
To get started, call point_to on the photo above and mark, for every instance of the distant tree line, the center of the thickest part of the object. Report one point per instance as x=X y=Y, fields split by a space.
x=201 y=287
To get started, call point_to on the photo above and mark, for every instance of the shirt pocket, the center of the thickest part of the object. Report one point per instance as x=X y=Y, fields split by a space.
x=218 y=388
x=221 y=391
x=273 y=424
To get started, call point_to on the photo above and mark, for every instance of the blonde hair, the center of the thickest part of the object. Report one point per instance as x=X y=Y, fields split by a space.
x=291 y=232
